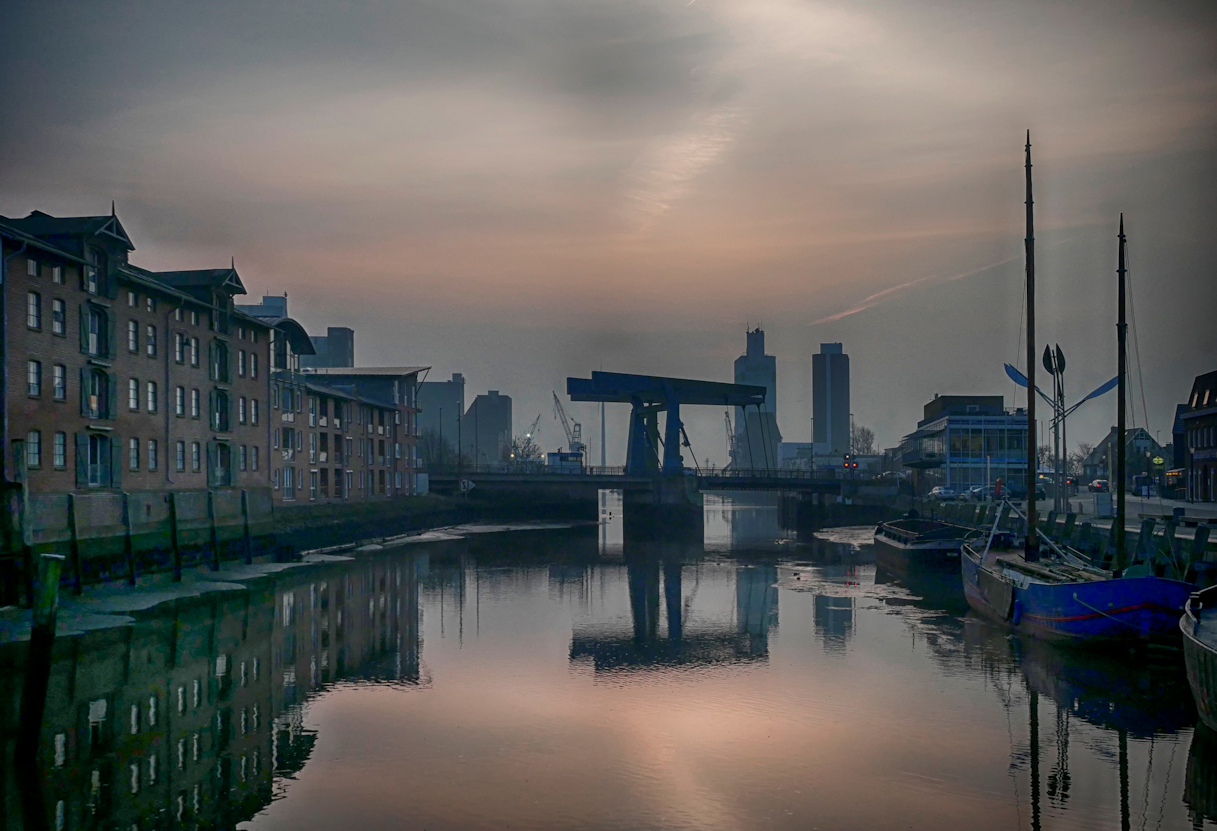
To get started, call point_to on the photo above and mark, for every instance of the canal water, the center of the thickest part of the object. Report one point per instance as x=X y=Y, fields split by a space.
x=563 y=679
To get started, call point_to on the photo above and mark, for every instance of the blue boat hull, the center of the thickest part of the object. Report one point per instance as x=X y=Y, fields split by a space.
x=1137 y=609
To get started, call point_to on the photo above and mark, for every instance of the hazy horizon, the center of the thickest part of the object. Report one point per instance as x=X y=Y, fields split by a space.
x=529 y=190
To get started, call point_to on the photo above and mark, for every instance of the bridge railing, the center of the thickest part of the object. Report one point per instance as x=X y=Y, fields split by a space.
x=530 y=468
x=769 y=473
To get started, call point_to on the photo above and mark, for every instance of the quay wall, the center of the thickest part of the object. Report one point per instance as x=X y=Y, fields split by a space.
x=113 y=536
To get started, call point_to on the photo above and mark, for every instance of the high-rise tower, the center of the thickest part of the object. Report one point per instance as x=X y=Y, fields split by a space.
x=830 y=400
x=756 y=431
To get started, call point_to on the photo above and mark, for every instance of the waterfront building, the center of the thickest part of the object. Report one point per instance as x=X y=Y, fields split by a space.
x=830 y=400
x=121 y=378
x=757 y=437
x=1200 y=429
x=380 y=419
x=335 y=348
x=967 y=440
x=441 y=405
x=486 y=429
x=1140 y=451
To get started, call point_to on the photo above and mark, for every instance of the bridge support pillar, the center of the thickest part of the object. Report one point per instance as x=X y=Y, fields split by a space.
x=670 y=510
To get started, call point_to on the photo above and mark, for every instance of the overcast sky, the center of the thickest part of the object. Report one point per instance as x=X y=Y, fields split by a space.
x=520 y=190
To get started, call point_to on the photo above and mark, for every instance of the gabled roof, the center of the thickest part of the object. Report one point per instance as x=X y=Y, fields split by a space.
x=39 y=224
x=225 y=279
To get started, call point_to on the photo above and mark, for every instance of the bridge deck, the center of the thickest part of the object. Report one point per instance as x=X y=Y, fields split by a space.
x=615 y=479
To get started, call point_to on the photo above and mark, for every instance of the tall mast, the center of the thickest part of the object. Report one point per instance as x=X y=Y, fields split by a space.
x=1031 y=551
x=1122 y=387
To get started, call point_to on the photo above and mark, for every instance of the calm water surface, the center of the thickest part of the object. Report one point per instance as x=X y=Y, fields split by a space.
x=558 y=679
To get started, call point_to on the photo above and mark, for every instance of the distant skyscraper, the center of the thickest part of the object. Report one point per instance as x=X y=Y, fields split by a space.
x=756 y=431
x=442 y=404
x=830 y=400
x=335 y=348
x=486 y=428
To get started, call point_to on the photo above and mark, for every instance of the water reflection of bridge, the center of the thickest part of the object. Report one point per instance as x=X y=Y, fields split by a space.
x=185 y=717
x=684 y=634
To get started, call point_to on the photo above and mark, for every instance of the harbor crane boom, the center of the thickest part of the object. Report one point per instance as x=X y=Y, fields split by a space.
x=574 y=433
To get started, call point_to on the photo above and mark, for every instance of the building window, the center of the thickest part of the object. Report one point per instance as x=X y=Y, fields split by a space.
x=241 y=363
x=151 y=396
x=253 y=364
x=96 y=466
x=152 y=460
x=132 y=394
x=59 y=450
x=274 y=478
x=219 y=362
x=92 y=275
x=33 y=449
x=312 y=448
x=179 y=401
x=253 y=411
x=177 y=314
x=33 y=310
x=179 y=348
x=133 y=453
x=219 y=416
x=194 y=318
x=253 y=457
x=33 y=377
x=150 y=303
x=194 y=349
x=132 y=336
x=59 y=317
x=241 y=414
x=57 y=274
x=244 y=458
x=95 y=326
x=274 y=396
x=195 y=406
x=132 y=299
x=31 y=267
x=276 y=438
x=180 y=460
x=151 y=341
x=196 y=456
x=312 y=485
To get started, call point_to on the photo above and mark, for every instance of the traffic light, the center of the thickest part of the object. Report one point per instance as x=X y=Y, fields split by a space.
x=847 y=460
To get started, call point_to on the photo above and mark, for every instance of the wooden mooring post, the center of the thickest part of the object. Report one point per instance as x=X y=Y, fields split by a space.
x=38 y=662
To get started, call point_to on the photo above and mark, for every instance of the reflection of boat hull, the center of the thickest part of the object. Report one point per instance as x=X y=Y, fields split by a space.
x=1200 y=787
x=905 y=545
x=1199 y=629
x=1144 y=609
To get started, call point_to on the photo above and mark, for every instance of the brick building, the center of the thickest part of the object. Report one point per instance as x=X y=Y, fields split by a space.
x=117 y=377
x=1200 y=428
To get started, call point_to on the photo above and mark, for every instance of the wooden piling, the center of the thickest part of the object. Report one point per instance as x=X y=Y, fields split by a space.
x=173 y=536
x=74 y=547
x=38 y=663
x=128 y=546
x=246 y=540
x=214 y=539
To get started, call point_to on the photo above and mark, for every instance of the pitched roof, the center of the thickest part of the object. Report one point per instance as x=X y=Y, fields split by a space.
x=39 y=224
x=222 y=278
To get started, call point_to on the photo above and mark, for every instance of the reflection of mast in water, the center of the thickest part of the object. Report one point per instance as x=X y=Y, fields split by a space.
x=1200 y=789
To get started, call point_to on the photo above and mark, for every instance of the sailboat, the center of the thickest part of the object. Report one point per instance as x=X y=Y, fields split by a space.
x=1044 y=589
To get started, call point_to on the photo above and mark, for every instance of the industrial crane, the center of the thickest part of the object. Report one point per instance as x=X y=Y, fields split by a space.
x=730 y=436
x=574 y=433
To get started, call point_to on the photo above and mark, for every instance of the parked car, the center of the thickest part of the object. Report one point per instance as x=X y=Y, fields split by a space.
x=943 y=492
x=980 y=493
x=1019 y=492
x=1099 y=486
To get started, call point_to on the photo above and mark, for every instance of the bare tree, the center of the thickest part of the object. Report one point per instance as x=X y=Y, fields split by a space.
x=863 y=440
x=1043 y=456
x=523 y=448
x=435 y=453
x=1077 y=459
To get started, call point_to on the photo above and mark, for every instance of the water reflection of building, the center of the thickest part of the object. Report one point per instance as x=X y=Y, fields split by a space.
x=185 y=716
x=834 y=621
x=666 y=628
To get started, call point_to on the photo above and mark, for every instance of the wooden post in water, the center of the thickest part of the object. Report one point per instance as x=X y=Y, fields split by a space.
x=38 y=662
x=1035 y=760
x=128 y=545
x=177 y=549
x=214 y=539
x=246 y=541
x=74 y=546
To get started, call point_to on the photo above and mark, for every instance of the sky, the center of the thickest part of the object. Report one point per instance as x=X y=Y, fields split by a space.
x=524 y=190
